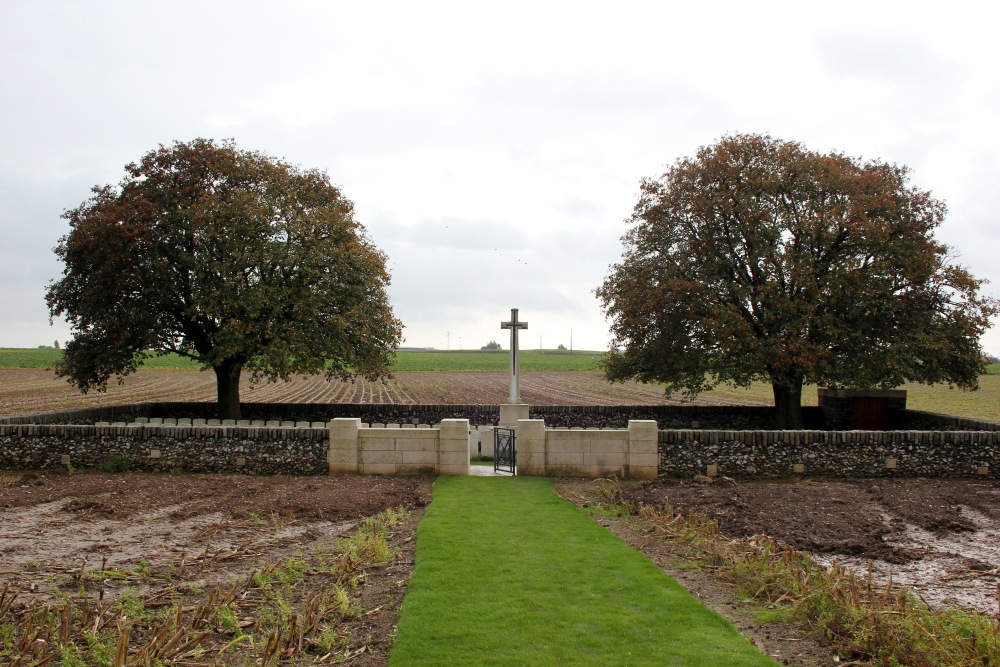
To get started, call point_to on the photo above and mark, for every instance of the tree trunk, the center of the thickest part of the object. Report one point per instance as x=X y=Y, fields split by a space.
x=227 y=379
x=788 y=404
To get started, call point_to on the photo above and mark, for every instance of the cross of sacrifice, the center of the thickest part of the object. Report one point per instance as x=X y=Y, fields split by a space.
x=515 y=364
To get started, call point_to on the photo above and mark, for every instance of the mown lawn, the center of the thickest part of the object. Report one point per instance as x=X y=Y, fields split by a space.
x=508 y=573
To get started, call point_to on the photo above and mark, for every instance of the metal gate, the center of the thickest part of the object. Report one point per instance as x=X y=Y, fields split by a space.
x=504 y=451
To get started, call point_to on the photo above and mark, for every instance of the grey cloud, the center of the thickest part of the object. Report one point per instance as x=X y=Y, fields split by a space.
x=887 y=57
x=469 y=234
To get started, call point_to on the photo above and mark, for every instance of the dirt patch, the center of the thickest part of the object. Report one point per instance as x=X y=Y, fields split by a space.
x=174 y=539
x=937 y=537
x=124 y=495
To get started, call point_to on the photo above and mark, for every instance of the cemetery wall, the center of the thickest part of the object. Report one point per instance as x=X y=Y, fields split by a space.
x=782 y=454
x=627 y=453
x=311 y=447
x=398 y=451
x=155 y=448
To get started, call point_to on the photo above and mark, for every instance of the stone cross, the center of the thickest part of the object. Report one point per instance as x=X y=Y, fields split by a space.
x=515 y=363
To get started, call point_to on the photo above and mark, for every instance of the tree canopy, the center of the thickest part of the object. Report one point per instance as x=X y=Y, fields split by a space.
x=761 y=260
x=232 y=258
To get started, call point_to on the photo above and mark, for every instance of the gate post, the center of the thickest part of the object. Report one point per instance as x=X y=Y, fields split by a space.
x=342 y=455
x=643 y=449
x=453 y=447
x=531 y=447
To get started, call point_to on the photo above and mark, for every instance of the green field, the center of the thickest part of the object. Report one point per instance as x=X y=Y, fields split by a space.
x=496 y=360
x=48 y=358
x=981 y=404
x=406 y=360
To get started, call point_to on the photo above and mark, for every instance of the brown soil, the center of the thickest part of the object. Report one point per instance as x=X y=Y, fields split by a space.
x=937 y=537
x=31 y=391
x=941 y=538
x=176 y=538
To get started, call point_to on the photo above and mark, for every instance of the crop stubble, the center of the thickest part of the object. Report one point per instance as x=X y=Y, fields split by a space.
x=27 y=391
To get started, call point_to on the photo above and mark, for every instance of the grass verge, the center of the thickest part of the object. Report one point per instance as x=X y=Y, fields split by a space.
x=507 y=573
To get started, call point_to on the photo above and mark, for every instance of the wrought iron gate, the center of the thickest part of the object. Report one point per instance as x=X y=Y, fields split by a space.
x=504 y=451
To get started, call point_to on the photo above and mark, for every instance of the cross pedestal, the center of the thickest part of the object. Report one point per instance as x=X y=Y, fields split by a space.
x=513 y=410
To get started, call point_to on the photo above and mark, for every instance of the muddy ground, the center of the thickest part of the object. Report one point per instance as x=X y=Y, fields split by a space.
x=942 y=538
x=172 y=540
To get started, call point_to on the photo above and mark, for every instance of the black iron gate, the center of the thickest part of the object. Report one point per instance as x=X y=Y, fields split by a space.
x=504 y=452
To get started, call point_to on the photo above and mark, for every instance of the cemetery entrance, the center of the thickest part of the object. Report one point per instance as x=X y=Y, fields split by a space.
x=504 y=450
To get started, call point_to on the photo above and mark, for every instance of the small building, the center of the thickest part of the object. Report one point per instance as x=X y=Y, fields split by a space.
x=861 y=409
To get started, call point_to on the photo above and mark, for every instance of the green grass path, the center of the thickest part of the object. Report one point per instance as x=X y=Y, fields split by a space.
x=508 y=573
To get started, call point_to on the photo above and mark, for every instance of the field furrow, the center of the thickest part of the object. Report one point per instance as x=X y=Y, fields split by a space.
x=343 y=392
x=399 y=393
x=26 y=391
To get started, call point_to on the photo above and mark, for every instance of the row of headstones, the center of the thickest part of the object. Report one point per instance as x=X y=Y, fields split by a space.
x=157 y=421
x=166 y=421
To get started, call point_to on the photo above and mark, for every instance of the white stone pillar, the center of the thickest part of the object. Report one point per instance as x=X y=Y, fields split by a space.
x=643 y=457
x=342 y=455
x=453 y=447
x=530 y=444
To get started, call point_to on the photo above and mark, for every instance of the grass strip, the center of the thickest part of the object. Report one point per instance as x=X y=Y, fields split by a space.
x=508 y=573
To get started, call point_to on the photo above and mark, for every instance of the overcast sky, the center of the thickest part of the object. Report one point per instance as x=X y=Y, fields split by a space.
x=493 y=150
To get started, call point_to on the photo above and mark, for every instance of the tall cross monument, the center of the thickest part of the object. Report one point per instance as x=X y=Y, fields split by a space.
x=515 y=362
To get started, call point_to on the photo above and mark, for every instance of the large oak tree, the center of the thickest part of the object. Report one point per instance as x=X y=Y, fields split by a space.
x=232 y=258
x=761 y=260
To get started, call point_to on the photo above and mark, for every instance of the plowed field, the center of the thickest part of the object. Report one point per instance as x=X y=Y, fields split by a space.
x=27 y=391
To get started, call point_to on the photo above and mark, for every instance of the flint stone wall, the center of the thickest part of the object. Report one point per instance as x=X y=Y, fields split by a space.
x=266 y=451
x=939 y=446
x=778 y=454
